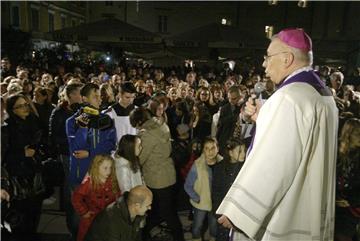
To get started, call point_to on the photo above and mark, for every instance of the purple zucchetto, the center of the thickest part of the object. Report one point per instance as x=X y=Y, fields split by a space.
x=296 y=38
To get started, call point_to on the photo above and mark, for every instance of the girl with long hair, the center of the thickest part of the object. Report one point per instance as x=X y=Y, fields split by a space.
x=98 y=189
x=127 y=165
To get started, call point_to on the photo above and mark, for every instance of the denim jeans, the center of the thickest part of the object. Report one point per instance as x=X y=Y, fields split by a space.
x=198 y=222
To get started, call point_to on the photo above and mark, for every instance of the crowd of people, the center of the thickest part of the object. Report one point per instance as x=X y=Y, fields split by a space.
x=130 y=138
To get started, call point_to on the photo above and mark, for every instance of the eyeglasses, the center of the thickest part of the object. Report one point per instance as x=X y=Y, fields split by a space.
x=25 y=105
x=205 y=94
x=266 y=57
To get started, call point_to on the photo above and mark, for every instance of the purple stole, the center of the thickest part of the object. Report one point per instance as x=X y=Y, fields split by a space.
x=309 y=77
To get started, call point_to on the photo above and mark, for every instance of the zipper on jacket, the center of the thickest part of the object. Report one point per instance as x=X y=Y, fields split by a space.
x=94 y=138
x=78 y=169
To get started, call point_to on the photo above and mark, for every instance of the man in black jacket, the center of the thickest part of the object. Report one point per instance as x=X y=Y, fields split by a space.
x=58 y=117
x=121 y=221
x=59 y=143
x=229 y=114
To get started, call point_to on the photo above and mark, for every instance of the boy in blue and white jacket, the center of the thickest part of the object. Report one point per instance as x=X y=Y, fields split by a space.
x=198 y=187
x=84 y=142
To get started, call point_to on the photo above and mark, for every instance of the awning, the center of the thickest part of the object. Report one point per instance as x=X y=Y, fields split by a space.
x=109 y=30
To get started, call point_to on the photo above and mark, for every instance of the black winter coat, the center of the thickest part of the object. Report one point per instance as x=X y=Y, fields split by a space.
x=224 y=174
x=57 y=130
x=22 y=133
x=226 y=125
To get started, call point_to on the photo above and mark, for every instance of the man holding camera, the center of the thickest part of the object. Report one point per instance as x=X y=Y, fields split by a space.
x=89 y=133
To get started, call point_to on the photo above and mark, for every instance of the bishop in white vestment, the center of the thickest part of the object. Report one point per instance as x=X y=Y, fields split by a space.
x=286 y=188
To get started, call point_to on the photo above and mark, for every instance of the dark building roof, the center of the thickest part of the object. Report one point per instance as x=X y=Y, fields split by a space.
x=111 y=29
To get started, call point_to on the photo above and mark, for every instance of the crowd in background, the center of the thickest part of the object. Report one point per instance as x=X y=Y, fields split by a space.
x=177 y=130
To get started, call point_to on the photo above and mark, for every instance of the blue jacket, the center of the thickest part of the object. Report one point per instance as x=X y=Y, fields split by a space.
x=93 y=140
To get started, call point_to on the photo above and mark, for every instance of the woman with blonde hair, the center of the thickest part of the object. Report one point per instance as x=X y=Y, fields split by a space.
x=107 y=96
x=182 y=90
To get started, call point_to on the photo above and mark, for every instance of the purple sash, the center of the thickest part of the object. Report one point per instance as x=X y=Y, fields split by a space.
x=309 y=77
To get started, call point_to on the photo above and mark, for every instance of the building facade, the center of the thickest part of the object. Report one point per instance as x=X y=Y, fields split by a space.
x=333 y=25
x=40 y=17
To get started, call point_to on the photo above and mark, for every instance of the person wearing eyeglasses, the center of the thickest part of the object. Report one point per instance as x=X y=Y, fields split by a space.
x=286 y=188
x=23 y=137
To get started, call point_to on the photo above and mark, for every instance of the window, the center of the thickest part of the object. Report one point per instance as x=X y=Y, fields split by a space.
x=108 y=3
x=63 y=21
x=15 y=21
x=162 y=24
x=269 y=30
x=35 y=19
x=51 y=22
x=225 y=21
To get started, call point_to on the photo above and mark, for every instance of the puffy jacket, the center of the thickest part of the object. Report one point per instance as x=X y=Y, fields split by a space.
x=93 y=140
x=21 y=133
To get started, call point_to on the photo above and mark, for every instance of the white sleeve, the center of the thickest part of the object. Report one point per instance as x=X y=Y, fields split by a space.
x=123 y=174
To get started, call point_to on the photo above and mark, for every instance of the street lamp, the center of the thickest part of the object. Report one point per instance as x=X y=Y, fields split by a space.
x=302 y=3
x=273 y=2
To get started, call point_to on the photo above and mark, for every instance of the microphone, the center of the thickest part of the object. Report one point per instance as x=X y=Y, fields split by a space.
x=259 y=88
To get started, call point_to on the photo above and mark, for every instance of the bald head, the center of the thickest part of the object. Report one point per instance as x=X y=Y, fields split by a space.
x=139 y=194
x=139 y=200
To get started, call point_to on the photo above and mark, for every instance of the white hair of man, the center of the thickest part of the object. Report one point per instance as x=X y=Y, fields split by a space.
x=337 y=75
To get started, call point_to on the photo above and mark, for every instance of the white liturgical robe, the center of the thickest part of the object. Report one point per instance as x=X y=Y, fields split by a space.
x=286 y=188
x=122 y=125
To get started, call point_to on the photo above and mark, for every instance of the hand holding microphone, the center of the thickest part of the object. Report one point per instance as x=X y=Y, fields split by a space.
x=254 y=103
x=252 y=109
